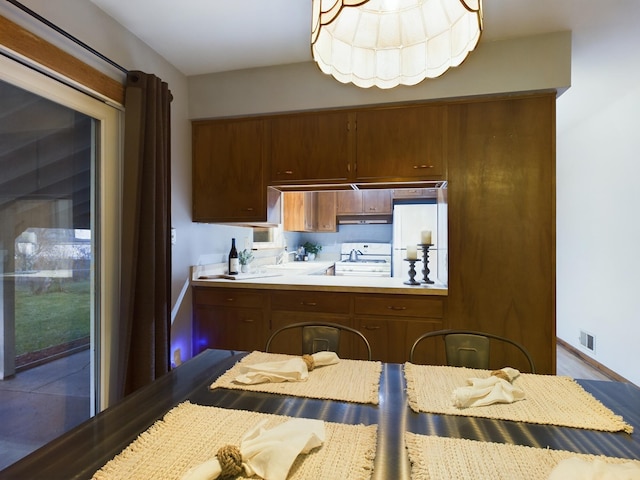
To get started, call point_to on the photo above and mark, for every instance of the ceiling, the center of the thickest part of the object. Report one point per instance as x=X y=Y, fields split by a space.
x=207 y=36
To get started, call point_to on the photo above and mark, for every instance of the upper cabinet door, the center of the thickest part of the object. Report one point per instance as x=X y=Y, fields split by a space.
x=311 y=147
x=228 y=171
x=404 y=143
x=359 y=202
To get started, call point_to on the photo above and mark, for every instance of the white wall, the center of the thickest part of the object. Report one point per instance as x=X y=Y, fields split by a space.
x=598 y=167
x=521 y=64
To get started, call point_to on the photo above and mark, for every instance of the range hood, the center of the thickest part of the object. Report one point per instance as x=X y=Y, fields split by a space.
x=364 y=219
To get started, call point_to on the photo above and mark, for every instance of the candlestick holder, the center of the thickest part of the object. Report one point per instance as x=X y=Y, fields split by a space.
x=412 y=272
x=425 y=260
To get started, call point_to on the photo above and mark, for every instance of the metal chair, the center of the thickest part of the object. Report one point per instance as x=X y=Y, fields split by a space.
x=468 y=348
x=320 y=336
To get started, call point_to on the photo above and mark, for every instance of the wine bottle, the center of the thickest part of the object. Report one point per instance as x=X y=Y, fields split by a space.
x=233 y=258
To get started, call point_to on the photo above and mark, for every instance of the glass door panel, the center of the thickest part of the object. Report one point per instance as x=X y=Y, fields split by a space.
x=47 y=269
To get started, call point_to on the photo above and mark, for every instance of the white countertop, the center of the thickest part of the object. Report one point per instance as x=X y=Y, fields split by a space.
x=300 y=277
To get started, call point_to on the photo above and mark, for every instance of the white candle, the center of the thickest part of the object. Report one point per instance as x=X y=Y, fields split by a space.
x=426 y=237
x=412 y=252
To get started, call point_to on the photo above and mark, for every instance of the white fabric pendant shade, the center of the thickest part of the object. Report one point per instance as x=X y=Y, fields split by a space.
x=391 y=42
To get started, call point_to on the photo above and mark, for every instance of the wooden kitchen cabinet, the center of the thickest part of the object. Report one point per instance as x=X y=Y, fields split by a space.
x=310 y=301
x=500 y=165
x=391 y=323
x=229 y=158
x=326 y=212
x=404 y=143
x=310 y=148
x=299 y=211
x=243 y=319
x=230 y=319
x=414 y=193
x=309 y=211
x=289 y=307
x=364 y=202
x=501 y=209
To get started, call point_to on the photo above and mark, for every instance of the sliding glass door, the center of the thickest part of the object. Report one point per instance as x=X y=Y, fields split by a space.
x=59 y=209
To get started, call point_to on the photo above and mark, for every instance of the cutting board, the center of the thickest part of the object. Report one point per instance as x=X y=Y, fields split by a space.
x=240 y=276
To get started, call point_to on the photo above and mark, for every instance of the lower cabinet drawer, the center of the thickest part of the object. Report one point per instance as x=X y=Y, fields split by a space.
x=399 y=306
x=227 y=297
x=303 y=301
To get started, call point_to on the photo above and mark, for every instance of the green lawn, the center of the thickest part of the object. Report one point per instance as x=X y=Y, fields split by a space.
x=52 y=318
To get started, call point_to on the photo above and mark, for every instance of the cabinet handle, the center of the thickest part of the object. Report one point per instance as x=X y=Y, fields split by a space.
x=286 y=172
x=231 y=299
x=247 y=320
x=372 y=327
x=248 y=209
x=393 y=307
x=309 y=304
x=416 y=167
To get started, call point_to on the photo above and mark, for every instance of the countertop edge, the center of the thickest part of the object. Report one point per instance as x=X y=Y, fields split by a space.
x=300 y=283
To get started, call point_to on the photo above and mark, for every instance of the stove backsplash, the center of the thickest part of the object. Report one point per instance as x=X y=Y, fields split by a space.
x=332 y=242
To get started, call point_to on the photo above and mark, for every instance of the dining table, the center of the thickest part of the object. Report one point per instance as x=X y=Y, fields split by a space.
x=80 y=452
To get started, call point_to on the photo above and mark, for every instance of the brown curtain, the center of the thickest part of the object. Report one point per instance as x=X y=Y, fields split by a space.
x=145 y=313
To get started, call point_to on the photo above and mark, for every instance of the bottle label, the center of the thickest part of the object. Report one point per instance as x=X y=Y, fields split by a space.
x=234 y=265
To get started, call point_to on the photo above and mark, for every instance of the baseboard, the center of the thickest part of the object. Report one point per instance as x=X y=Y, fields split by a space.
x=591 y=362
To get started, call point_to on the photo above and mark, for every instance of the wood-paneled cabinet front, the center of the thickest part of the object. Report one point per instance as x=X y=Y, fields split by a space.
x=231 y=319
x=228 y=171
x=309 y=211
x=310 y=148
x=289 y=307
x=299 y=211
x=240 y=319
x=364 y=202
x=391 y=323
x=401 y=144
x=501 y=217
x=326 y=212
x=228 y=329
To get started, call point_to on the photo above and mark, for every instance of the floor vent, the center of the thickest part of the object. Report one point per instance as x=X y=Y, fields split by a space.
x=588 y=341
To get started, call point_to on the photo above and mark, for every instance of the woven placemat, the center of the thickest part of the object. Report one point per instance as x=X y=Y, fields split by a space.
x=550 y=399
x=191 y=434
x=349 y=380
x=442 y=458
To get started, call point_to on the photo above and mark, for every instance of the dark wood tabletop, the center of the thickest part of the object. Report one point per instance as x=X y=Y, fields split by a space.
x=82 y=451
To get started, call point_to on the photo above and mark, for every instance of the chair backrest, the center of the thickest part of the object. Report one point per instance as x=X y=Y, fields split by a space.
x=320 y=336
x=468 y=348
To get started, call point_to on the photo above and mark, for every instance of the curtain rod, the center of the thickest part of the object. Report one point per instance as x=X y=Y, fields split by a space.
x=68 y=35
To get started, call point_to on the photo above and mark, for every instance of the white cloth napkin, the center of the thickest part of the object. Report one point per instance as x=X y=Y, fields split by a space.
x=290 y=370
x=487 y=391
x=268 y=453
x=575 y=468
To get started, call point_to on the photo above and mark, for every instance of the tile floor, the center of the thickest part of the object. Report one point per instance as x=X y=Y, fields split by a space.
x=40 y=404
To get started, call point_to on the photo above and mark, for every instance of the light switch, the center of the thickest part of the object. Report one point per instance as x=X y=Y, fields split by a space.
x=173 y=236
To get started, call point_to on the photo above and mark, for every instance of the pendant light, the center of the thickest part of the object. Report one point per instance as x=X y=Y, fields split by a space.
x=386 y=43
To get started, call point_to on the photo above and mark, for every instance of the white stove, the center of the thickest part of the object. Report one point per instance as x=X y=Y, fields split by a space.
x=364 y=260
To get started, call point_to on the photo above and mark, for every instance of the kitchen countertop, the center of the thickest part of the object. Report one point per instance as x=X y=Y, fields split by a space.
x=300 y=276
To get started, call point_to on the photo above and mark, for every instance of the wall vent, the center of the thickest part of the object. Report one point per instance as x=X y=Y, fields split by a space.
x=587 y=340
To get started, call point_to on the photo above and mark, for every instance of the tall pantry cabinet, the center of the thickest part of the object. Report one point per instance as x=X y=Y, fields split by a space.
x=501 y=208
